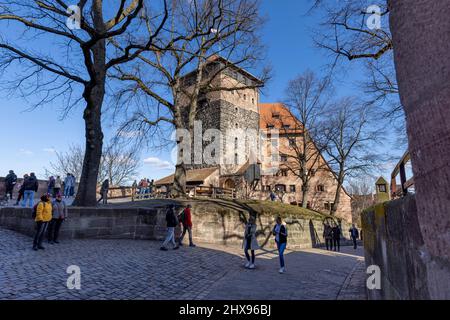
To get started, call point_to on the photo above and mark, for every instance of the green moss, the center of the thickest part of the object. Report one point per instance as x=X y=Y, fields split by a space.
x=282 y=209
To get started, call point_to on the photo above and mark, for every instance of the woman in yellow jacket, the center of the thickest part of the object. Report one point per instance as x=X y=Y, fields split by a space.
x=43 y=216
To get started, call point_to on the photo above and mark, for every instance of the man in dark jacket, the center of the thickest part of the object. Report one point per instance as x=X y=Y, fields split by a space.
x=354 y=235
x=328 y=236
x=30 y=187
x=104 y=192
x=337 y=238
x=10 y=182
x=172 y=223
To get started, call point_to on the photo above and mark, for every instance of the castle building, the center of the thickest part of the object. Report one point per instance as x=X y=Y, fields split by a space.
x=251 y=144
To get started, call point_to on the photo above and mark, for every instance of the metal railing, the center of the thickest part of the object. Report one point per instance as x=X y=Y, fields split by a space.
x=405 y=183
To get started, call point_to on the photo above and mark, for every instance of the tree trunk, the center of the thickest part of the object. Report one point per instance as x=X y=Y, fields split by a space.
x=421 y=37
x=305 y=190
x=337 y=196
x=179 y=181
x=94 y=93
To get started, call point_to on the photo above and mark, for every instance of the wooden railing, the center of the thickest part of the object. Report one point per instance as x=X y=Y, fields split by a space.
x=405 y=183
x=199 y=191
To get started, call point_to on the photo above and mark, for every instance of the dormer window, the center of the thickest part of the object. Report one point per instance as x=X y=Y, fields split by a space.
x=286 y=126
x=275 y=115
x=270 y=126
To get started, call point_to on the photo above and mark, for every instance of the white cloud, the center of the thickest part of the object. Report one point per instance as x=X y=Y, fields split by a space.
x=25 y=152
x=158 y=163
x=49 y=150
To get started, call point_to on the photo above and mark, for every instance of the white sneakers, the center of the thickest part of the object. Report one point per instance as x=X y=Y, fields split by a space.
x=282 y=270
x=252 y=266
x=247 y=265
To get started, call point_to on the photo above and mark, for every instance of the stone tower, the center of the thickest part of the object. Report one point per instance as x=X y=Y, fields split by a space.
x=232 y=111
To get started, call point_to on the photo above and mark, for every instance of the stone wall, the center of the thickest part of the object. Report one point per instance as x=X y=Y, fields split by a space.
x=393 y=241
x=214 y=222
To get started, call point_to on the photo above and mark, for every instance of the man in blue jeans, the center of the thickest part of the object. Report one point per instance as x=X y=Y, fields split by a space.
x=30 y=186
x=280 y=233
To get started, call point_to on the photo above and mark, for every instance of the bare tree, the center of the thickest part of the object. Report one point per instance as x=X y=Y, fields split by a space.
x=72 y=63
x=358 y=30
x=307 y=99
x=350 y=150
x=176 y=81
x=119 y=163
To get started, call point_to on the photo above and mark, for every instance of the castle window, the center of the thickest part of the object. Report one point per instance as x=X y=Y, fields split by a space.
x=237 y=126
x=245 y=97
x=236 y=143
x=253 y=100
x=236 y=159
x=280 y=188
x=270 y=126
x=275 y=115
x=283 y=158
x=320 y=188
x=292 y=188
x=381 y=188
x=283 y=173
x=236 y=109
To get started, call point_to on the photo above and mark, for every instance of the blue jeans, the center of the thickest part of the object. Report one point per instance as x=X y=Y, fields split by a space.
x=67 y=191
x=28 y=195
x=281 y=247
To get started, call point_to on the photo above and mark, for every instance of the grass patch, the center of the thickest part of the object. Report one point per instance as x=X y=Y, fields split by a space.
x=282 y=209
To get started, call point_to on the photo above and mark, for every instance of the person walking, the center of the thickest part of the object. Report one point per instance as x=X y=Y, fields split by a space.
x=354 y=235
x=10 y=183
x=337 y=238
x=67 y=185
x=273 y=196
x=20 y=193
x=280 y=233
x=250 y=243
x=328 y=236
x=172 y=223
x=186 y=221
x=104 y=192
x=30 y=187
x=57 y=186
x=43 y=216
x=59 y=214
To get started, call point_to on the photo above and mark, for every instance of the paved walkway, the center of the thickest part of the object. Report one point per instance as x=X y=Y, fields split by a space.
x=127 y=269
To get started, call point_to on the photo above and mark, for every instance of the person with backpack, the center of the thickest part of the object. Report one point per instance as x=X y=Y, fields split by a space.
x=186 y=221
x=30 y=187
x=172 y=223
x=280 y=233
x=337 y=238
x=10 y=182
x=354 y=235
x=59 y=214
x=42 y=215
x=104 y=192
x=250 y=242
x=328 y=236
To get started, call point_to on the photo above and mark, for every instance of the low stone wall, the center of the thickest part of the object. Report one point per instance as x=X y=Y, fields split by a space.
x=213 y=223
x=393 y=241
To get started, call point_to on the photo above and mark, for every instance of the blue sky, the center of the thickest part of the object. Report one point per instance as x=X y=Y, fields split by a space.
x=29 y=138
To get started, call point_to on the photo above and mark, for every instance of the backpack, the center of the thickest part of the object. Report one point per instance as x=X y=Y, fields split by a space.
x=33 y=215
